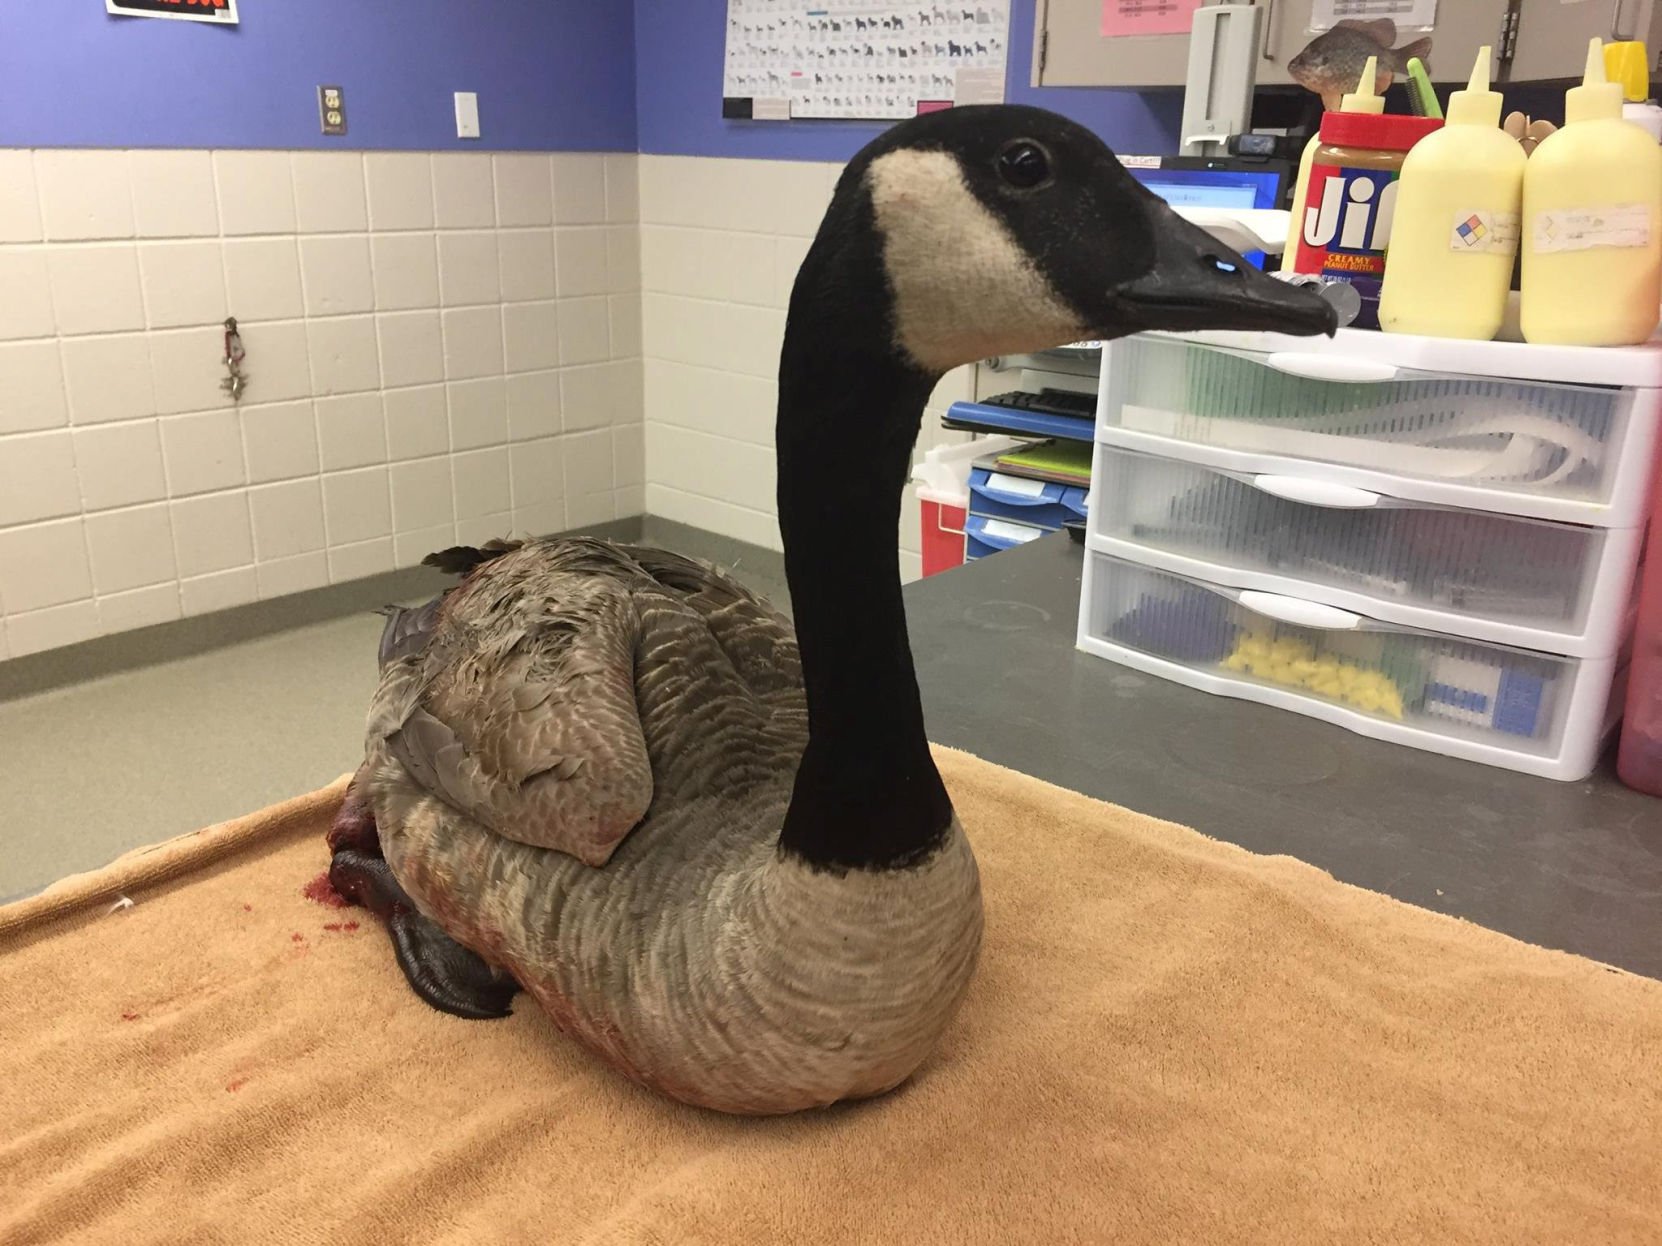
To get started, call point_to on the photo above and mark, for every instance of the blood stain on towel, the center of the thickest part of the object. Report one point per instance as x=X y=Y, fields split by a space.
x=297 y=937
x=248 y=908
x=321 y=891
x=237 y=1084
x=129 y=1016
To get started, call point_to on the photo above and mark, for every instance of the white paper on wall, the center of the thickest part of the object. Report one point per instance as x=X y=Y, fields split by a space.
x=1409 y=15
x=865 y=58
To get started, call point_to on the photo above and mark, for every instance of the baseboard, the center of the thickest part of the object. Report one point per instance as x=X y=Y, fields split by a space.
x=182 y=638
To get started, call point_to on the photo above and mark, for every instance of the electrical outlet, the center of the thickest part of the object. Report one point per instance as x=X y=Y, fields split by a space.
x=467 y=114
x=331 y=109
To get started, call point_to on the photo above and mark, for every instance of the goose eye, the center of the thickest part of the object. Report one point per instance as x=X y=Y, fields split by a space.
x=1024 y=164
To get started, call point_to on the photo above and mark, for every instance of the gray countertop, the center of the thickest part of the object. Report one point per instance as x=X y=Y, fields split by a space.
x=1576 y=866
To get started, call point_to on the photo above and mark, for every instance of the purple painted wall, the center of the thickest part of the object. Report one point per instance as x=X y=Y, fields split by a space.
x=551 y=74
x=558 y=75
x=680 y=44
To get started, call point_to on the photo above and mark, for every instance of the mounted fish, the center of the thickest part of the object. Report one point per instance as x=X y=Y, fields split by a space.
x=1330 y=63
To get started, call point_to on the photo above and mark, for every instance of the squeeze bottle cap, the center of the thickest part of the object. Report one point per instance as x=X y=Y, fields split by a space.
x=1477 y=104
x=1625 y=63
x=1596 y=99
x=1365 y=98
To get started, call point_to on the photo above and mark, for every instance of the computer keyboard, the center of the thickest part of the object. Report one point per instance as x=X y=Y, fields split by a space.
x=1048 y=401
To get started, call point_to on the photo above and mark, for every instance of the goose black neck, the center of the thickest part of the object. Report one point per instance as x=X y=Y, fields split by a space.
x=867 y=793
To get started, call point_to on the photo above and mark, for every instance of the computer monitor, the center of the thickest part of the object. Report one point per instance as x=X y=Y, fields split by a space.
x=1215 y=182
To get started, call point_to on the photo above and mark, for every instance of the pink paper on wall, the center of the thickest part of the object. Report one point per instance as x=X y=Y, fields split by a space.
x=1147 y=17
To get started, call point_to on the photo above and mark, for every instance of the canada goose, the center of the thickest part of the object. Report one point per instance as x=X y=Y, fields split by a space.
x=714 y=848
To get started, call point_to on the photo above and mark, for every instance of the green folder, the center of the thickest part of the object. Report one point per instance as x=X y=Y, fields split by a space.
x=1068 y=462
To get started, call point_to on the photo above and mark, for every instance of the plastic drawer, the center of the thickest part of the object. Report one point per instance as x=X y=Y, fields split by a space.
x=1531 y=583
x=1575 y=452
x=1036 y=503
x=983 y=536
x=1534 y=712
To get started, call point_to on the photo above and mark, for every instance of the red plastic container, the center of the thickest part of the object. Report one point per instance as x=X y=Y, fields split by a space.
x=942 y=542
x=942 y=481
x=1639 y=758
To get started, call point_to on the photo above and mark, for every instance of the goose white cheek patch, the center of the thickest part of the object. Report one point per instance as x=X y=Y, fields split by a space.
x=962 y=287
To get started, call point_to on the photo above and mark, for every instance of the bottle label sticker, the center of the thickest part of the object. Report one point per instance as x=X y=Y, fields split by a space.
x=1623 y=226
x=1485 y=233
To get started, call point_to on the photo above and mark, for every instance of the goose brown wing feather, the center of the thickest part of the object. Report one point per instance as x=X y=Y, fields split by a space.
x=543 y=695
x=520 y=709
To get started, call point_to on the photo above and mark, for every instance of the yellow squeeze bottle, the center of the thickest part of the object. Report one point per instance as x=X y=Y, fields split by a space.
x=1592 y=230
x=1363 y=99
x=1455 y=232
x=1627 y=65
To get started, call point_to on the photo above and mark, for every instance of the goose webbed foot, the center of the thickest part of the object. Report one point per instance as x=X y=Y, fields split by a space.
x=441 y=971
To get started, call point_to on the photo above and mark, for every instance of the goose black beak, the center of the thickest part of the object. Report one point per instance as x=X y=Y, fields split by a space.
x=1198 y=283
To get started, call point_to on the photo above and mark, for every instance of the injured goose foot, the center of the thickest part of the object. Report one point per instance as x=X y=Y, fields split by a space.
x=443 y=972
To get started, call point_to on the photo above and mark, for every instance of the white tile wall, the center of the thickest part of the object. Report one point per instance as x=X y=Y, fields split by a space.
x=26 y=311
x=173 y=194
x=400 y=186
x=279 y=441
x=329 y=192
x=472 y=342
x=95 y=288
x=31 y=387
x=83 y=194
x=334 y=273
x=469 y=272
x=412 y=348
x=351 y=431
x=19 y=198
x=440 y=347
x=464 y=193
x=184 y=283
x=419 y=370
x=37 y=477
x=478 y=412
x=527 y=259
x=406 y=272
x=262 y=278
x=721 y=241
x=120 y=464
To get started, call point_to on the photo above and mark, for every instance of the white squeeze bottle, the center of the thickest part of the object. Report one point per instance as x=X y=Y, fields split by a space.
x=1592 y=233
x=1363 y=99
x=1455 y=232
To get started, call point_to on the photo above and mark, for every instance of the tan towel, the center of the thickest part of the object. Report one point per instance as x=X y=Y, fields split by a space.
x=1170 y=1040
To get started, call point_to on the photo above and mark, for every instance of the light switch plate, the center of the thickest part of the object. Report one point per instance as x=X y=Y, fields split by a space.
x=331 y=109
x=467 y=114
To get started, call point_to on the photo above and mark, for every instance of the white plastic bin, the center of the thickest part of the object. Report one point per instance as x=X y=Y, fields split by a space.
x=1519 y=581
x=1562 y=433
x=1540 y=713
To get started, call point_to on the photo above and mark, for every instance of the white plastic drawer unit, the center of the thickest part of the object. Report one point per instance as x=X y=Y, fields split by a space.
x=1562 y=433
x=1528 y=711
x=1532 y=583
